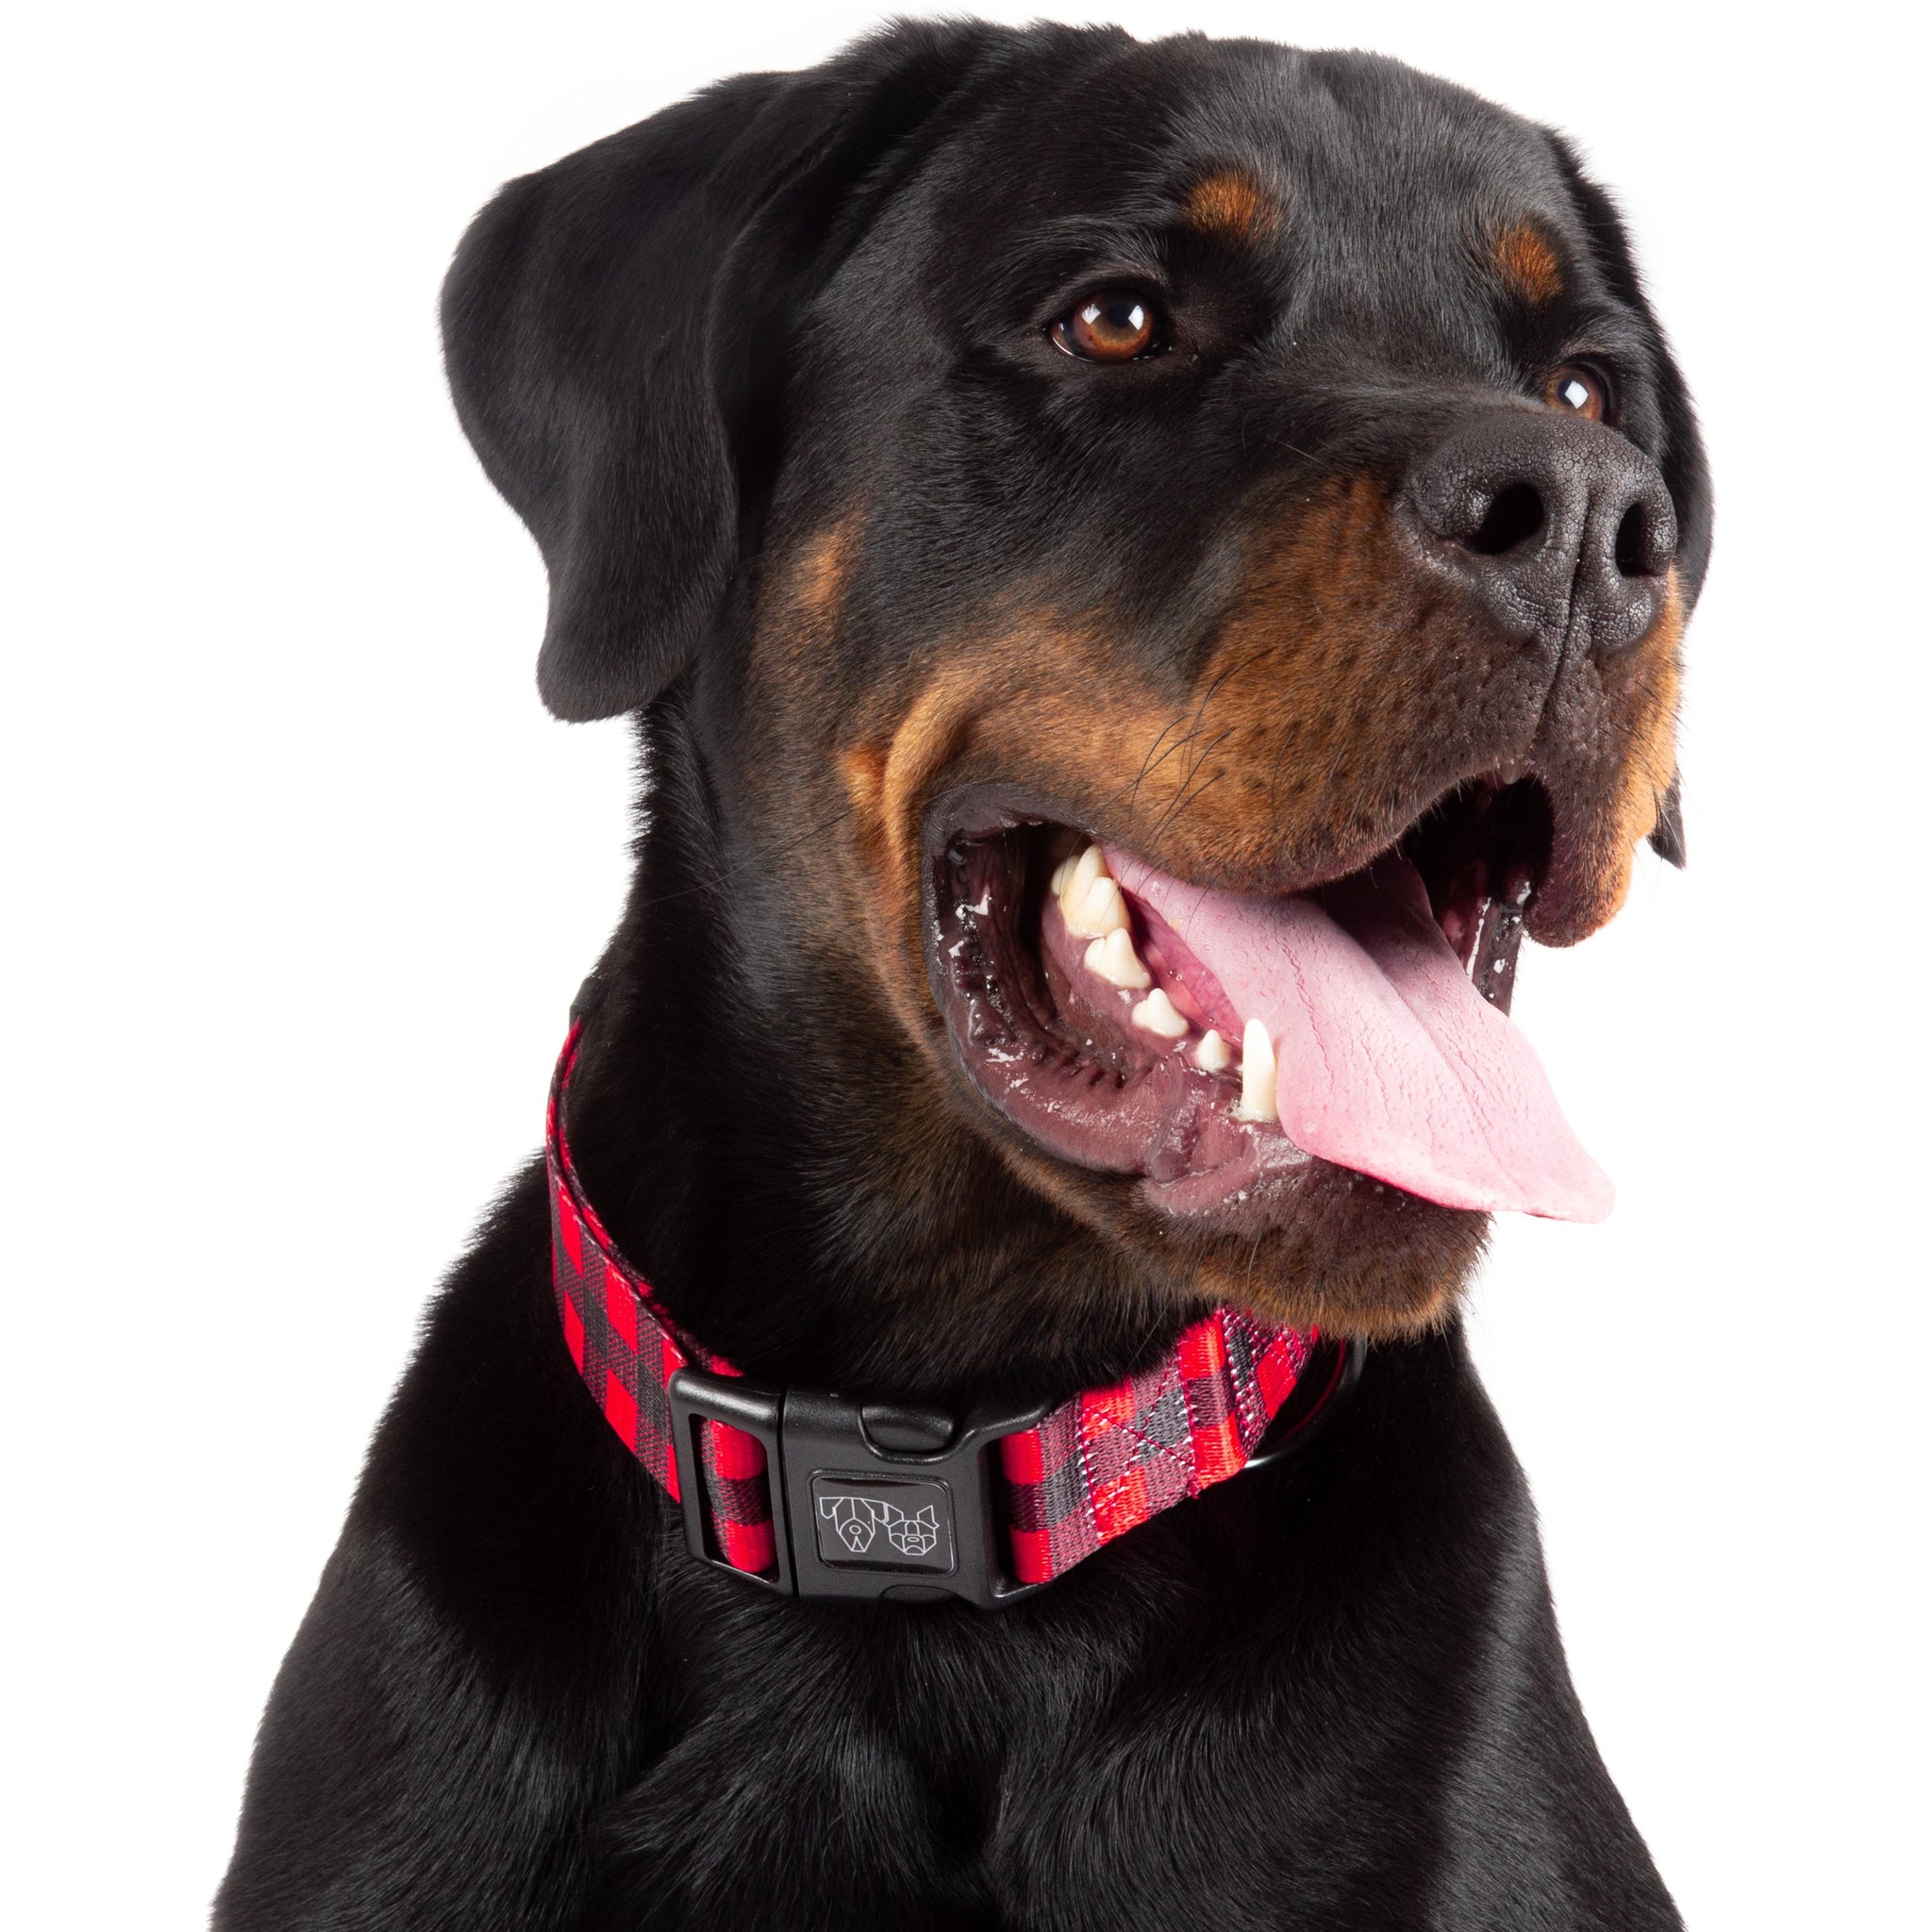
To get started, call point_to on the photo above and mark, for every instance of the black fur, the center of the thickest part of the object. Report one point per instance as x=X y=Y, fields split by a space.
x=1330 y=1694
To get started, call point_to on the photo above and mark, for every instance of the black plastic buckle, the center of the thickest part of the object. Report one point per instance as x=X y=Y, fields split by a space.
x=868 y=1500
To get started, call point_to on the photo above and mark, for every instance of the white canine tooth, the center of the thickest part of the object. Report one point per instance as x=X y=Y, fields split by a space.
x=1061 y=874
x=1157 y=1014
x=1082 y=870
x=1097 y=911
x=1257 y=1074
x=1213 y=1054
x=1115 y=960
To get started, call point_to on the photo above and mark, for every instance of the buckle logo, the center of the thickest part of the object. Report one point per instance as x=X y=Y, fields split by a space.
x=883 y=1523
x=857 y=1520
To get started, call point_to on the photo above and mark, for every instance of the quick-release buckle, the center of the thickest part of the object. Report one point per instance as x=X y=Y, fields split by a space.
x=869 y=1500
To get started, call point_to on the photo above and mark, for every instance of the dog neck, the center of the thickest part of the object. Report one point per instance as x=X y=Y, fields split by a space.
x=816 y=1493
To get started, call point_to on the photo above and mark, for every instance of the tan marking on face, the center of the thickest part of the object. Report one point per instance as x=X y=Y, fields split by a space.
x=1233 y=207
x=1649 y=762
x=864 y=772
x=1325 y=719
x=801 y=605
x=1528 y=264
x=1280 y=753
x=824 y=566
x=1290 y=746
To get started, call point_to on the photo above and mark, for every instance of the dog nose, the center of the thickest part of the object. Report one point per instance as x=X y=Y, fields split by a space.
x=1561 y=527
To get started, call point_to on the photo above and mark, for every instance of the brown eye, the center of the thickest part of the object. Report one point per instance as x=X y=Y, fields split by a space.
x=1579 y=389
x=1115 y=325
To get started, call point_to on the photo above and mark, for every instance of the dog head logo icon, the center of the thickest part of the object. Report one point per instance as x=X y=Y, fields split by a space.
x=858 y=1522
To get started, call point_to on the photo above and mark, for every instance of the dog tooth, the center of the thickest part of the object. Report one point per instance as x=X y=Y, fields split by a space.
x=1089 y=864
x=1081 y=871
x=1157 y=1014
x=1091 y=856
x=1097 y=911
x=1115 y=960
x=1213 y=1054
x=1257 y=1074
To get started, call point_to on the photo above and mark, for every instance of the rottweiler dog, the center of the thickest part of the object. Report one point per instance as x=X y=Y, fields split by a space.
x=1142 y=571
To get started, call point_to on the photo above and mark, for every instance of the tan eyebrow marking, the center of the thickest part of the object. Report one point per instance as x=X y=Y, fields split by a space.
x=827 y=562
x=1233 y=205
x=1528 y=263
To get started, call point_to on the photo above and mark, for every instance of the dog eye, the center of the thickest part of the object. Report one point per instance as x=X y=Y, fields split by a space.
x=1581 y=389
x=1113 y=325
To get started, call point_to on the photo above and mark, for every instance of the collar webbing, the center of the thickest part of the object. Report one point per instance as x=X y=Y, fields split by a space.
x=1066 y=1481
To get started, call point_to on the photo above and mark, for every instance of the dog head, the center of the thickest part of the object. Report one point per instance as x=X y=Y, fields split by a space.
x=1037 y=459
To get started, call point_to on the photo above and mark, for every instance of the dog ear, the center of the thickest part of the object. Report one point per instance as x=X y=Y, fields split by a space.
x=616 y=330
x=1667 y=837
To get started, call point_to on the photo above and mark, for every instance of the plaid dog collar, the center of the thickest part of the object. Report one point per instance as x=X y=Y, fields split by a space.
x=812 y=1495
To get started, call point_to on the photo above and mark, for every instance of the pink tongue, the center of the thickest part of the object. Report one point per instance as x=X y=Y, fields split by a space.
x=1389 y=1061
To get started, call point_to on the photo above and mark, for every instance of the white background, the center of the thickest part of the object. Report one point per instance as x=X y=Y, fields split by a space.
x=299 y=878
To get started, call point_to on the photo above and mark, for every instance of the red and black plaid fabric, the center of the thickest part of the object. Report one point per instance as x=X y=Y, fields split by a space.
x=627 y=1351
x=1094 y=1468
x=1103 y=1463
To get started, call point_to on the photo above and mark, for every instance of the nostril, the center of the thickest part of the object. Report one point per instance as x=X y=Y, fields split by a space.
x=1515 y=515
x=1634 y=548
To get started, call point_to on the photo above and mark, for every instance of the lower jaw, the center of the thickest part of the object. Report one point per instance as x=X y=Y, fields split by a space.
x=1171 y=1130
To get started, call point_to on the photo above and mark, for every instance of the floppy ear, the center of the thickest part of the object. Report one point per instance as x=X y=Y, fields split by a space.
x=613 y=324
x=1667 y=838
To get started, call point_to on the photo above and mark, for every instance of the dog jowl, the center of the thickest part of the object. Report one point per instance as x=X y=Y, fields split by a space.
x=1143 y=572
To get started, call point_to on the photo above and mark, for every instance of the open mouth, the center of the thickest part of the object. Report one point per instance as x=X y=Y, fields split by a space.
x=1217 y=1044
